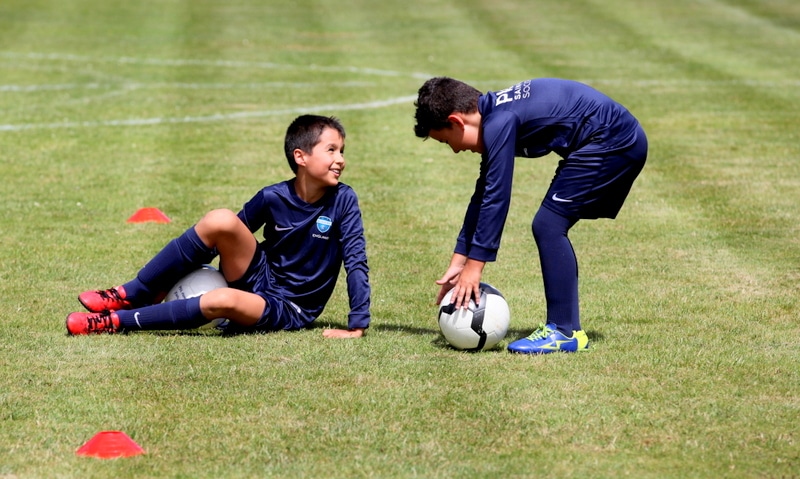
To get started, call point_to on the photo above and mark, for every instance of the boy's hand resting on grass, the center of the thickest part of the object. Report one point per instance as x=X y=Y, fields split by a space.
x=343 y=333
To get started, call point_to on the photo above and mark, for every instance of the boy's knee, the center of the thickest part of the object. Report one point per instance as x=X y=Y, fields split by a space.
x=219 y=301
x=547 y=223
x=219 y=220
x=241 y=307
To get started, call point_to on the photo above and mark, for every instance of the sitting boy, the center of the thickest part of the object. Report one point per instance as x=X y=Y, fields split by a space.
x=603 y=149
x=311 y=225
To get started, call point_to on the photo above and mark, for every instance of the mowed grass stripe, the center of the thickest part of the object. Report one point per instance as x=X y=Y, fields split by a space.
x=735 y=178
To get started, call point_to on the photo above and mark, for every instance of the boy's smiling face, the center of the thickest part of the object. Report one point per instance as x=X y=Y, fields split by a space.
x=325 y=163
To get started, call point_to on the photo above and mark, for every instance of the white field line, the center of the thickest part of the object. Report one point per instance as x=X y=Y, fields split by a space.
x=174 y=85
x=211 y=118
x=211 y=63
x=59 y=57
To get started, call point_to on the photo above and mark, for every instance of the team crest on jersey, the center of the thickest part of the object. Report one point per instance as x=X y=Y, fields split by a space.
x=324 y=224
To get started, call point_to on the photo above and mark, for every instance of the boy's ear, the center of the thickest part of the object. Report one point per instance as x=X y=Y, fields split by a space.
x=456 y=119
x=299 y=157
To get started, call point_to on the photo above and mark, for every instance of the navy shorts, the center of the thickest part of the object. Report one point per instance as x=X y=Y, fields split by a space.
x=279 y=313
x=590 y=187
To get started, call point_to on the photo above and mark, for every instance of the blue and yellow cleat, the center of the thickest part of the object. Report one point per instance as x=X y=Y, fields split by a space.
x=547 y=339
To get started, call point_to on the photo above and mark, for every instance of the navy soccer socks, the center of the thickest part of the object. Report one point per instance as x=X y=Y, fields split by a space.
x=178 y=258
x=180 y=314
x=559 y=269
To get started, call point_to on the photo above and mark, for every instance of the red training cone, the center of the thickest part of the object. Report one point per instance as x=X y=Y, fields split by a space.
x=144 y=215
x=110 y=444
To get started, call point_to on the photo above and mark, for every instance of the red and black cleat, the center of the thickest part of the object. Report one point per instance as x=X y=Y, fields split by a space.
x=92 y=323
x=104 y=300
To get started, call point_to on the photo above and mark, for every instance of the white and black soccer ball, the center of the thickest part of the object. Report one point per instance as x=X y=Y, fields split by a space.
x=479 y=326
x=198 y=282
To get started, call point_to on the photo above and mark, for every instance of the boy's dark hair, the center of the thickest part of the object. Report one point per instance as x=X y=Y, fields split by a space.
x=304 y=132
x=440 y=97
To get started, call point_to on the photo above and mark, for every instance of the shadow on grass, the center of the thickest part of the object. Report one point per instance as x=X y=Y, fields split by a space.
x=439 y=342
x=511 y=335
x=595 y=336
x=233 y=330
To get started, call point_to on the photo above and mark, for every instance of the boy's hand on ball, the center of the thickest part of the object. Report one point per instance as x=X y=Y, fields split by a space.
x=450 y=277
x=468 y=286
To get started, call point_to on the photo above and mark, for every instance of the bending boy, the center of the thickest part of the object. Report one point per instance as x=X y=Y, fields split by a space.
x=603 y=149
x=311 y=225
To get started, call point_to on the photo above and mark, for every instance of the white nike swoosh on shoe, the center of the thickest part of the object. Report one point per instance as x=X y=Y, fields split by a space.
x=282 y=228
x=560 y=200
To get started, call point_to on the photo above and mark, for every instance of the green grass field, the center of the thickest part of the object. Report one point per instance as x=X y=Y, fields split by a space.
x=690 y=297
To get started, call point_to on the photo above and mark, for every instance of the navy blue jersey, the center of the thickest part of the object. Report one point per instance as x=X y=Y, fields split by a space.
x=532 y=119
x=306 y=245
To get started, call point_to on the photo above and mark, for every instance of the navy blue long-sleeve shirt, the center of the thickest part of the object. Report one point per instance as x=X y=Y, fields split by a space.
x=306 y=245
x=532 y=119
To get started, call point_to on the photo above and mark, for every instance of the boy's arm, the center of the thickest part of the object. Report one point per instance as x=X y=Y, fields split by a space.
x=488 y=208
x=354 y=257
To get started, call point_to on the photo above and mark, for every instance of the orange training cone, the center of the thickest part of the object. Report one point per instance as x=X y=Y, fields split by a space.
x=143 y=215
x=110 y=444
